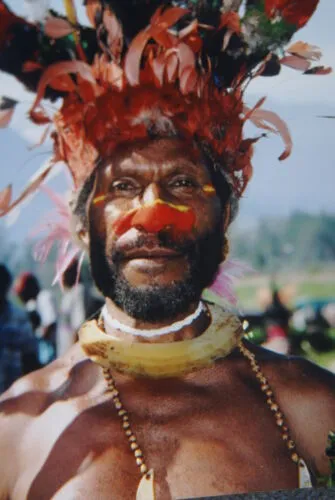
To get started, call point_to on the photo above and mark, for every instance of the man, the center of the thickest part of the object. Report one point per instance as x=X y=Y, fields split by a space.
x=183 y=407
x=41 y=309
x=18 y=349
x=209 y=432
x=72 y=309
x=277 y=318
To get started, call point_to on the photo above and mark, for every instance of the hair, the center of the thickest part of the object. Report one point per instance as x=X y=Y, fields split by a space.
x=80 y=203
x=71 y=275
x=27 y=287
x=218 y=178
x=5 y=280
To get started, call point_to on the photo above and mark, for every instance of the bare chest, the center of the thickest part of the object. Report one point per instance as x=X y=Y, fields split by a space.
x=211 y=447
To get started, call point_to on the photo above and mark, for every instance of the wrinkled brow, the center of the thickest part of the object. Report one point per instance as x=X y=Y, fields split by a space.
x=133 y=168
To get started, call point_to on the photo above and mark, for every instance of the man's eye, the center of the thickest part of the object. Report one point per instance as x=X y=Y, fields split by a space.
x=124 y=186
x=184 y=183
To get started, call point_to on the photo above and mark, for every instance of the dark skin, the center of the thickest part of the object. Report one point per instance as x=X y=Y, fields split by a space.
x=139 y=177
x=207 y=433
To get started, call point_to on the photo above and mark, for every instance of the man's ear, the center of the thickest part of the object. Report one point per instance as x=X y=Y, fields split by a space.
x=83 y=237
x=79 y=233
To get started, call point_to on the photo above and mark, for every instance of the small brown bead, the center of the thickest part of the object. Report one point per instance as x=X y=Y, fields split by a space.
x=134 y=446
x=139 y=461
x=291 y=444
x=129 y=433
x=295 y=457
x=143 y=469
x=285 y=436
x=138 y=454
x=274 y=407
x=278 y=414
x=280 y=422
x=269 y=393
x=285 y=429
x=132 y=438
x=125 y=418
x=255 y=369
x=126 y=425
x=118 y=406
x=122 y=413
x=259 y=376
x=264 y=387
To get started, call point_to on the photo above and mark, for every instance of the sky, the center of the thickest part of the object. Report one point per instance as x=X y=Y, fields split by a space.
x=305 y=181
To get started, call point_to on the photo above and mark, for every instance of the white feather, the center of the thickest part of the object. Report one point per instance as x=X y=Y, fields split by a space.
x=36 y=10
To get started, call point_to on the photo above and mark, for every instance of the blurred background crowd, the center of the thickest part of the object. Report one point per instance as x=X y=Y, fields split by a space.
x=38 y=324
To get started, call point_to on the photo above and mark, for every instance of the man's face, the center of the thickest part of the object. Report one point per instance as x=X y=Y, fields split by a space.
x=154 y=273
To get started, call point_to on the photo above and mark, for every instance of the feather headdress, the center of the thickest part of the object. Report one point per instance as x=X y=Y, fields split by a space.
x=153 y=67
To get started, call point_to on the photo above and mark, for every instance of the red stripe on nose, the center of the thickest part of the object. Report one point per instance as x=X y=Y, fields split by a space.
x=155 y=218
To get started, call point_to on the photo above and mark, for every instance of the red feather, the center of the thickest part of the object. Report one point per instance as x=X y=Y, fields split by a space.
x=6 y=116
x=319 y=70
x=30 y=66
x=56 y=27
x=92 y=9
x=296 y=12
x=303 y=49
x=5 y=199
x=160 y=23
x=295 y=62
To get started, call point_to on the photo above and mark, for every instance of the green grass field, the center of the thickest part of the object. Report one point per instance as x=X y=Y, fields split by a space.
x=302 y=285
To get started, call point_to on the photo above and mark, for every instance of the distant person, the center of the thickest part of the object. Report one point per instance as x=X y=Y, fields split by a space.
x=277 y=317
x=71 y=309
x=40 y=306
x=18 y=346
x=77 y=304
x=317 y=331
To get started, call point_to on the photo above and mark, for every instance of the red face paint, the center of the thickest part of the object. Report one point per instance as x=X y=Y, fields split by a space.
x=156 y=217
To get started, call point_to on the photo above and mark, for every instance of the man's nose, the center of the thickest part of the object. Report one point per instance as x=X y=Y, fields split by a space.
x=151 y=194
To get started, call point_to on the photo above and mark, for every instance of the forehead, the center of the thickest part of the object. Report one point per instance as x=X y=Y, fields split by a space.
x=160 y=154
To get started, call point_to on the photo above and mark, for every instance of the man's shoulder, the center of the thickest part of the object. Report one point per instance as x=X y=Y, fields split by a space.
x=305 y=394
x=31 y=393
x=295 y=372
x=30 y=398
x=304 y=391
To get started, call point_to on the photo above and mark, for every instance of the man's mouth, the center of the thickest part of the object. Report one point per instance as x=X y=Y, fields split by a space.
x=155 y=253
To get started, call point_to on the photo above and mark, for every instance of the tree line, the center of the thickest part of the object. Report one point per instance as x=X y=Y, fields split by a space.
x=295 y=242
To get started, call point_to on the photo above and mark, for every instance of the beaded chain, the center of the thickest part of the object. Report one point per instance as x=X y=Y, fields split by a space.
x=124 y=416
x=271 y=402
x=265 y=388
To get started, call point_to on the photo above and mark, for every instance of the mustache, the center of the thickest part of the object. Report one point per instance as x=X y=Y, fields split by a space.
x=160 y=240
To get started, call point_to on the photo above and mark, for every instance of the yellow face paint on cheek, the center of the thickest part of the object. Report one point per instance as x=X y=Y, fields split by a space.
x=209 y=189
x=99 y=199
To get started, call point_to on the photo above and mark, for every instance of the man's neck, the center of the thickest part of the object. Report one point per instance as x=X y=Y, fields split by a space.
x=196 y=328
